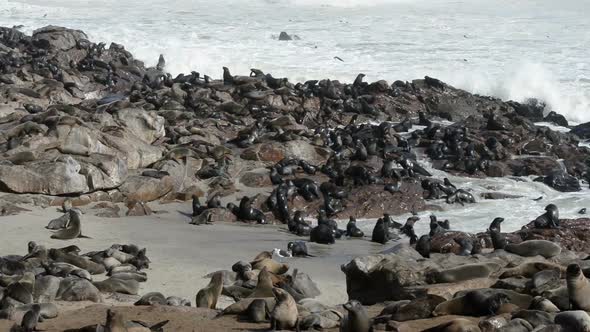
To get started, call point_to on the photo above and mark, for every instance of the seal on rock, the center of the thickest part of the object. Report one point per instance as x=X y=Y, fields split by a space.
x=423 y=246
x=208 y=296
x=549 y=219
x=531 y=248
x=285 y=315
x=578 y=288
x=576 y=320
x=464 y=272
x=357 y=319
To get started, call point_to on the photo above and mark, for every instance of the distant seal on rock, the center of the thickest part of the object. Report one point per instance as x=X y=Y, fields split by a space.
x=73 y=229
x=549 y=219
x=576 y=320
x=578 y=288
x=531 y=248
x=270 y=264
x=357 y=319
x=285 y=315
x=208 y=296
x=464 y=272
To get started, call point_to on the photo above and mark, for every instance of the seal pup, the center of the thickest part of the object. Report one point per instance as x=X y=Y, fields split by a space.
x=60 y=222
x=73 y=229
x=357 y=319
x=582 y=211
x=257 y=311
x=380 y=232
x=352 y=230
x=208 y=296
x=578 y=288
x=298 y=249
x=549 y=219
x=197 y=207
x=285 y=315
x=423 y=246
x=31 y=318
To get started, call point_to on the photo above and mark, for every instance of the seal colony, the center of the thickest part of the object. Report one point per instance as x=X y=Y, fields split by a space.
x=82 y=124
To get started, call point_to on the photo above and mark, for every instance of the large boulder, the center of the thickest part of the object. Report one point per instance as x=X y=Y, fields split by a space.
x=276 y=151
x=148 y=126
x=57 y=38
x=145 y=189
x=57 y=177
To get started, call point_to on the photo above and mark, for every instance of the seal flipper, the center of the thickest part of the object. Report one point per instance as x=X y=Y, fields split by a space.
x=84 y=236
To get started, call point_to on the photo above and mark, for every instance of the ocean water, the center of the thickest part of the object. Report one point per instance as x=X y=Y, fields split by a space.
x=513 y=49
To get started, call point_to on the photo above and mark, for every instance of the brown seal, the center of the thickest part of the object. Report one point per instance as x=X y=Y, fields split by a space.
x=285 y=315
x=264 y=285
x=578 y=288
x=271 y=265
x=73 y=229
x=208 y=296
x=456 y=325
x=31 y=318
x=357 y=319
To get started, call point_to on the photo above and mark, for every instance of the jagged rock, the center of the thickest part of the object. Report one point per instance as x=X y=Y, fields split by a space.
x=138 y=209
x=61 y=39
x=275 y=151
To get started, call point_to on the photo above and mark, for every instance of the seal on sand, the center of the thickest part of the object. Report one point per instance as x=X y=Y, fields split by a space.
x=285 y=314
x=352 y=230
x=208 y=296
x=298 y=249
x=31 y=318
x=73 y=229
x=578 y=288
x=257 y=311
x=531 y=248
x=357 y=319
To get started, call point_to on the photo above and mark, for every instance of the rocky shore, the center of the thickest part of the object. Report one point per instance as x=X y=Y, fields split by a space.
x=90 y=130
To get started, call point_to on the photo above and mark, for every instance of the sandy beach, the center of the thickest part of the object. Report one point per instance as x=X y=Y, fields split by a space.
x=182 y=254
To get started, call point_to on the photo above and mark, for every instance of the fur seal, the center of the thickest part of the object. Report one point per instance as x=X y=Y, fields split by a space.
x=455 y=325
x=357 y=319
x=208 y=296
x=298 y=249
x=576 y=320
x=151 y=299
x=473 y=303
x=381 y=231
x=257 y=311
x=352 y=230
x=542 y=304
x=529 y=269
x=582 y=211
x=197 y=207
x=73 y=229
x=264 y=285
x=464 y=272
x=531 y=248
x=59 y=223
x=115 y=285
x=578 y=288
x=31 y=318
x=498 y=239
x=323 y=234
x=271 y=265
x=423 y=246
x=549 y=219
x=285 y=315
